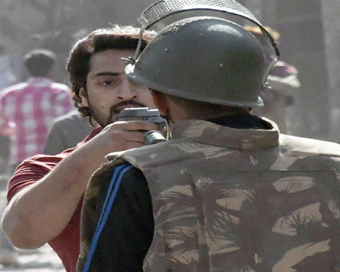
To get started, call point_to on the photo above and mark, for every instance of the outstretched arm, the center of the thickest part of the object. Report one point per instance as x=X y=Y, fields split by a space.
x=41 y=211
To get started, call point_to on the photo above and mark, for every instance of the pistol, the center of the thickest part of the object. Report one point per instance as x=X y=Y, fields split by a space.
x=146 y=114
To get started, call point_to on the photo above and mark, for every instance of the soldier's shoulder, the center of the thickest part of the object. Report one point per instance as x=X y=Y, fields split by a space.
x=309 y=146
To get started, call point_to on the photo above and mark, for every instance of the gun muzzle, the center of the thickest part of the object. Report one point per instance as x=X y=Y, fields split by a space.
x=153 y=137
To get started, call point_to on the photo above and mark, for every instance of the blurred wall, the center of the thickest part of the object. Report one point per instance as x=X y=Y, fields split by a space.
x=303 y=45
x=331 y=22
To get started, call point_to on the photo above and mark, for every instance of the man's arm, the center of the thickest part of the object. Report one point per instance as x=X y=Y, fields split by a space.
x=40 y=212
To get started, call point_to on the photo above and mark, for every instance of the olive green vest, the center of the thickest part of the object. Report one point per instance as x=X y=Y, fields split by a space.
x=262 y=206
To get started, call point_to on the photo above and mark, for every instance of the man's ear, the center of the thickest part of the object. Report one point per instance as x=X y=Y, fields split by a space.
x=161 y=102
x=83 y=96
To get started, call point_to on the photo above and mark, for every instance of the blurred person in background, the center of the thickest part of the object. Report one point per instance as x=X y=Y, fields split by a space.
x=284 y=83
x=66 y=132
x=32 y=105
x=45 y=194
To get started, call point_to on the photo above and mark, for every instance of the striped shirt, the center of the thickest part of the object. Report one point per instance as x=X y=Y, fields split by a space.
x=32 y=106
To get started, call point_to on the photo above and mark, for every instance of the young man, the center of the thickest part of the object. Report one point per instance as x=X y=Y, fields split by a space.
x=228 y=192
x=45 y=193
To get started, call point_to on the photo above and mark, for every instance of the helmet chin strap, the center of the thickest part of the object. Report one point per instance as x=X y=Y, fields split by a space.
x=169 y=124
x=130 y=61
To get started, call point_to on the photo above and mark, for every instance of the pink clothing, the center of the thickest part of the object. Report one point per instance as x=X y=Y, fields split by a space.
x=7 y=127
x=32 y=106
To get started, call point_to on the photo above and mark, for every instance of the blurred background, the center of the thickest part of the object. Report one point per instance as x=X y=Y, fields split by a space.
x=310 y=41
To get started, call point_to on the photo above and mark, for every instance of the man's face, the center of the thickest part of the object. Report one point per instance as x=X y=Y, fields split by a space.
x=108 y=90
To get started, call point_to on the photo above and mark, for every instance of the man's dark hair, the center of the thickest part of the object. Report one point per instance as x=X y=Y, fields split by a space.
x=117 y=37
x=39 y=62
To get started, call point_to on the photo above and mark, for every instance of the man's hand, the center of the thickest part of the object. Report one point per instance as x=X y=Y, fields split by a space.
x=120 y=136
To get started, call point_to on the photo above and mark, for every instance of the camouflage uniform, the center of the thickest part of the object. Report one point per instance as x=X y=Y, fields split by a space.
x=232 y=200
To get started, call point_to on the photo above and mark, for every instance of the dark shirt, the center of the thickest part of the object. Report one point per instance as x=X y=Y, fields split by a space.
x=125 y=227
x=242 y=122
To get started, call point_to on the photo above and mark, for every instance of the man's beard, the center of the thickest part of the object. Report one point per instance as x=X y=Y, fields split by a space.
x=114 y=111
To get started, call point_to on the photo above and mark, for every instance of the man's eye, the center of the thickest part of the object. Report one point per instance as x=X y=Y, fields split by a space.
x=107 y=82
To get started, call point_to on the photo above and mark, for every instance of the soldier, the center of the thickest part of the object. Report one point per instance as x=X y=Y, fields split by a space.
x=227 y=192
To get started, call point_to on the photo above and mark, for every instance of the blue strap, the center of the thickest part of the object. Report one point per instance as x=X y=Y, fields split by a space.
x=108 y=203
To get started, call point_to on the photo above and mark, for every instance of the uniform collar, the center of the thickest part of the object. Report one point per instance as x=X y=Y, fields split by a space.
x=235 y=138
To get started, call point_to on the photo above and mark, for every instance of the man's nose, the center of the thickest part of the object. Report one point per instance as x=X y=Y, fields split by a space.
x=126 y=91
